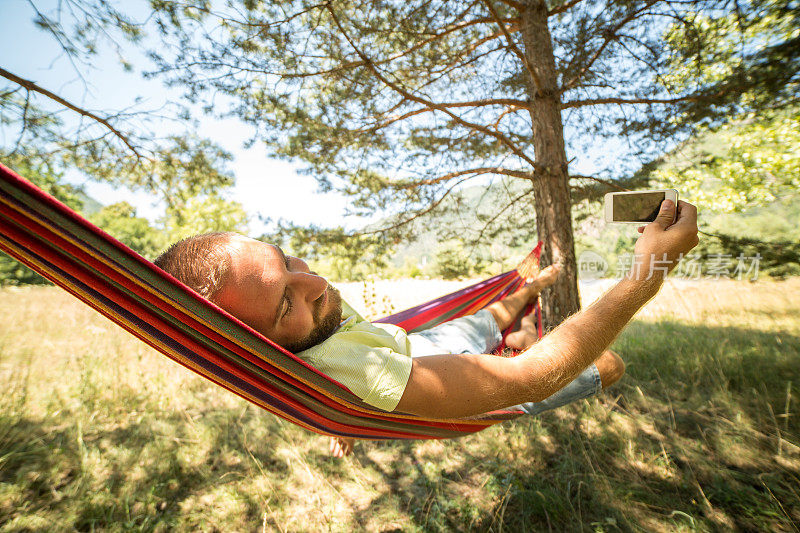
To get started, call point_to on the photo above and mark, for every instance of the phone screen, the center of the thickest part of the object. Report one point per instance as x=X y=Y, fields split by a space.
x=638 y=207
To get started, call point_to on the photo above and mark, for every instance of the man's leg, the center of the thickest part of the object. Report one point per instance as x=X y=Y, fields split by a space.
x=507 y=310
x=528 y=333
x=525 y=336
x=481 y=332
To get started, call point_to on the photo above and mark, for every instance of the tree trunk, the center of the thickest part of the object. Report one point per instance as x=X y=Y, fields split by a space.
x=550 y=184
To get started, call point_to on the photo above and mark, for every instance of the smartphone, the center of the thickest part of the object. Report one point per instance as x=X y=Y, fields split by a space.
x=636 y=207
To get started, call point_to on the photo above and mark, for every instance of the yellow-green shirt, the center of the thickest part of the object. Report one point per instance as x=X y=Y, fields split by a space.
x=372 y=360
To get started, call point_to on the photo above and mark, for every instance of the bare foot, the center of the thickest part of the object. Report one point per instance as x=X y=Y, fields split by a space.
x=544 y=279
x=547 y=276
x=342 y=446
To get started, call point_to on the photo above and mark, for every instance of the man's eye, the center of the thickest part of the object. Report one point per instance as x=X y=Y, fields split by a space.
x=288 y=307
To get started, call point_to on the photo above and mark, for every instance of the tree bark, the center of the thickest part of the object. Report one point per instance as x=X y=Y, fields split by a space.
x=550 y=185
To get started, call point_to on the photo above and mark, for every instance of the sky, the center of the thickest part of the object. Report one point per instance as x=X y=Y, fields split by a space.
x=265 y=186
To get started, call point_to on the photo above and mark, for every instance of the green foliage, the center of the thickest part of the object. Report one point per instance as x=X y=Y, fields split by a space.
x=176 y=172
x=48 y=178
x=334 y=253
x=122 y=148
x=747 y=162
x=452 y=262
x=12 y=272
x=120 y=221
x=743 y=176
x=769 y=232
x=204 y=214
x=743 y=60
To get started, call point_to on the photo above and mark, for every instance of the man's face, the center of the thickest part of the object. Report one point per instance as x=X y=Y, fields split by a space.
x=278 y=296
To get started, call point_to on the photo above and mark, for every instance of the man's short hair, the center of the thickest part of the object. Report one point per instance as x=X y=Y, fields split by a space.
x=201 y=262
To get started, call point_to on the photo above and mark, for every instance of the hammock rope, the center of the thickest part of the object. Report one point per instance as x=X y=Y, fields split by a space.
x=58 y=243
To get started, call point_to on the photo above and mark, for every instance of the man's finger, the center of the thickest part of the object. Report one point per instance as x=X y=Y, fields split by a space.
x=687 y=213
x=666 y=215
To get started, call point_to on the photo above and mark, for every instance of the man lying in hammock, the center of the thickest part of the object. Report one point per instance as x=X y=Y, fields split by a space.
x=447 y=371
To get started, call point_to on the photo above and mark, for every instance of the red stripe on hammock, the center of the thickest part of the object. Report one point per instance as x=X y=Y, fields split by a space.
x=486 y=292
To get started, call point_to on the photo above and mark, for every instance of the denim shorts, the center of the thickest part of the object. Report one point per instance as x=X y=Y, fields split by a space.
x=479 y=333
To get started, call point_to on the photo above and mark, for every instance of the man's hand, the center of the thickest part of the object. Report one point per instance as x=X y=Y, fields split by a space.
x=664 y=242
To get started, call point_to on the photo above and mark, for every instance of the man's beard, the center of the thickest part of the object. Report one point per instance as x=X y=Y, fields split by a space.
x=324 y=326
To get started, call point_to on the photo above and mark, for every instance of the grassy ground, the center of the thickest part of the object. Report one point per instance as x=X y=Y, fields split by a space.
x=98 y=432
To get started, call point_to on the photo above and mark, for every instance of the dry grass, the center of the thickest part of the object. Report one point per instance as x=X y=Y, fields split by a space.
x=99 y=432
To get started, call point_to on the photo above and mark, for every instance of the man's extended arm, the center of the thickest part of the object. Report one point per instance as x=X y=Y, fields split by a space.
x=450 y=385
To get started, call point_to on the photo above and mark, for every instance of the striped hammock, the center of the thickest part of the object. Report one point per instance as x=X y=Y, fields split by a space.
x=64 y=247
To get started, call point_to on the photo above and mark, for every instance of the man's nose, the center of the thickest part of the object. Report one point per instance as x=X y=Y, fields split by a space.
x=313 y=286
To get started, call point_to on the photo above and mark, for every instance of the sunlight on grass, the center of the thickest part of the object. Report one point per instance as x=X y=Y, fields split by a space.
x=97 y=431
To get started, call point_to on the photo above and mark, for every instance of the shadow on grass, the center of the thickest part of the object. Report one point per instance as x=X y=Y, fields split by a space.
x=135 y=476
x=693 y=437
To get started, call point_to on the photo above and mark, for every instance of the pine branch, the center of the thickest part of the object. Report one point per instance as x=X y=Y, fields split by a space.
x=622 y=101
x=508 y=111
x=24 y=122
x=537 y=83
x=63 y=40
x=634 y=55
x=499 y=213
x=512 y=3
x=455 y=27
x=472 y=47
x=511 y=105
x=31 y=86
x=418 y=214
x=610 y=36
x=514 y=27
x=563 y=7
x=477 y=171
x=489 y=102
x=414 y=98
x=444 y=70
x=598 y=180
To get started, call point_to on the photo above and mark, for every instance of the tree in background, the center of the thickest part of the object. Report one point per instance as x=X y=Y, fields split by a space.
x=748 y=162
x=120 y=220
x=401 y=104
x=743 y=168
x=331 y=254
x=204 y=214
